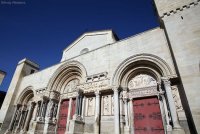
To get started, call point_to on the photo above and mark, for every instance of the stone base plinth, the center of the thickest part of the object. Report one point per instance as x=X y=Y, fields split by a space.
x=126 y=130
x=49 y=128
x=76 y=127
x=36 y=128
x=178 y=131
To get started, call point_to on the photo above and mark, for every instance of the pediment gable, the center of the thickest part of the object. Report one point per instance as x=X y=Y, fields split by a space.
x=89 y=41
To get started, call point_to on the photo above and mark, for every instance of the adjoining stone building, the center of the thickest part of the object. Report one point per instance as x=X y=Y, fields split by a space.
x=147 y=83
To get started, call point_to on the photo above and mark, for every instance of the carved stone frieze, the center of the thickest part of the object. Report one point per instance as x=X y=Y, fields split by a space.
x=142 y=92
x=69 y=95
x=94 y=86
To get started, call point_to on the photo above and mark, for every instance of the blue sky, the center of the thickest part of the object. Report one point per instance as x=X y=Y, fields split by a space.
x=40 y=29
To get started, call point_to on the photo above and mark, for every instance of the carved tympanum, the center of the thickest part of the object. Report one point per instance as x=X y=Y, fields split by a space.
x=72 y=85
x=141 y=80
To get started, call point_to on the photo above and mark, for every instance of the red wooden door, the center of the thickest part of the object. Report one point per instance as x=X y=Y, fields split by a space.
x=147 y=116
x=73 y=107
x=63 y=117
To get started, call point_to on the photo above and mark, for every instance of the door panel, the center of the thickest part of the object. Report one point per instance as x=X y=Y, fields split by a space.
x=147 y=116
x=63 y=117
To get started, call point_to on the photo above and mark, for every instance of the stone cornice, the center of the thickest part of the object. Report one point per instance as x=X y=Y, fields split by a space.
x=169 y=13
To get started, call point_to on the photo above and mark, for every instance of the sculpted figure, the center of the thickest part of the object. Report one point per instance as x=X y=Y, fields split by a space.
x=55 y=110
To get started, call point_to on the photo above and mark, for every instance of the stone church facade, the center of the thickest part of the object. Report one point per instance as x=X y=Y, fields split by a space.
x=144 y=84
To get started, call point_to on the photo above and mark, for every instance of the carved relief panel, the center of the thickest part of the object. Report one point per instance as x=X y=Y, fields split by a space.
x=107 y=105
x=176 y=98
x=90 y=106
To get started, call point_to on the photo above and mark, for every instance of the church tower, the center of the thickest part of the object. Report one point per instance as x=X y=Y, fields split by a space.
x=180 y=20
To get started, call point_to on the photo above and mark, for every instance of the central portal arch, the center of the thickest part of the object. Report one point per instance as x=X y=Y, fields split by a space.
x=139 y=78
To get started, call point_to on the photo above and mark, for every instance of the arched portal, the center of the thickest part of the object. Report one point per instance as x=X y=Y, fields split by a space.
x=23 y=111
x=139 y=78
x=64 y=82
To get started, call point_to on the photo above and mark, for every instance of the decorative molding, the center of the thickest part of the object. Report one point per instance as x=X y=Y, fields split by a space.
x=192 y=4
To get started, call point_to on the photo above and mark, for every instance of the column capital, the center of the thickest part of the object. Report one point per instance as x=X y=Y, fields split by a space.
x=159 y=83
x=17 y=105
x=125 y=89
x=97 y=92
x=115 y=88
x=166 y=80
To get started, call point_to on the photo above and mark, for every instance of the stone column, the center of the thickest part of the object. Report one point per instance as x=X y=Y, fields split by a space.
x=40 y=109
x=97 y=112
x=172 y=106
x=24 y=119
x=169 y=127
x=131 y=116
x=80 y=105
x=69 y=114
x=55 y=111
x=125 y=97
x=20 y=119
x=13 y=118
x=30 y=112
x=44 y=108
x=121 y=112
x=83 y=108
x=17 y=118
x=116 y=110
x=35 y=112
x=126 y=111
x=77 y=105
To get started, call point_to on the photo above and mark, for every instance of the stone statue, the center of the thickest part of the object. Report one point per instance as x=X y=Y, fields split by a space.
x=55 y=110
